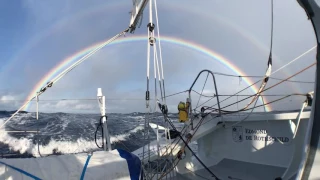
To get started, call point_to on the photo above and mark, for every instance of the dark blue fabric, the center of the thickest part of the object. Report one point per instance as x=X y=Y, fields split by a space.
x=21 y=171
x=133 y=162
x=85 y=167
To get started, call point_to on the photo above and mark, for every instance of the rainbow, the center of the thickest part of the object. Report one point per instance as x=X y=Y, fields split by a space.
x=64 y=63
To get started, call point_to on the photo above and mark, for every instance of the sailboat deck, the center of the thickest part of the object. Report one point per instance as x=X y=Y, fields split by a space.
x=236 y=170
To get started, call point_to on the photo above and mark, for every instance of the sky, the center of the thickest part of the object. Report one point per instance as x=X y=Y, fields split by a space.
x=36 y=36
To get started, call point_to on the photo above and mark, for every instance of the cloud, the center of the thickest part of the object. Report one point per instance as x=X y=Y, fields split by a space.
x=10 y=101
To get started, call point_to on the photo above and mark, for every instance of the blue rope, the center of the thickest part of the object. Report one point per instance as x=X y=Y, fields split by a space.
x=21 y=171
x=85 y=167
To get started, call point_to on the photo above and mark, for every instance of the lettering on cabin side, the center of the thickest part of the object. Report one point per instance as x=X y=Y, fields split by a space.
x=239 y=135
x=256 y=131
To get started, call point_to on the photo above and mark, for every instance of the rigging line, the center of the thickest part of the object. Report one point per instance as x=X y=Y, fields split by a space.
x=271 y=39
x=270 y=102
x=203 y=89
x=87 y=99
x=148 y=108
x=251 y=108
x=297 y=94
x=233 y=112
x=87 y=56
x=269 y=69
x=254 y=106
x=65 y=72
x=262 y=91
x=155 y=75
x=295 y=59
x=158 y=70
x=183 y=132
x=196 y=128
x=294 y=81
x=260 y=79
x=148 y=68
x=91 y=99
x=240 y=76
x=140 y=99
x=230 y=96
x=160 y=50
x=202 y=95
x=250 y=76
x=177 y=93
x=275 y=84
x=162 y=86
x=186 y=145
x=271 y=73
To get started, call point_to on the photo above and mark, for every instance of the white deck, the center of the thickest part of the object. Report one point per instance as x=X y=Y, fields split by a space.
x=102 y=165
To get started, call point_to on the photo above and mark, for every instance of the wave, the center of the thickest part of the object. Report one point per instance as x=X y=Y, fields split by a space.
x=24 y=145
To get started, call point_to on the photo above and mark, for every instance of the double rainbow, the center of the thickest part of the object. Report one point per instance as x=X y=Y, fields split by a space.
x=181 y=42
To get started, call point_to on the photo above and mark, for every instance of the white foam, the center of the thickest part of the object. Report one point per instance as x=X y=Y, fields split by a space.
x=24 y=145
x=137 y=117
x=136 y=129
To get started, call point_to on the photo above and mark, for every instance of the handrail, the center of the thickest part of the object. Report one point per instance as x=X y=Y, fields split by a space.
x=215 y=86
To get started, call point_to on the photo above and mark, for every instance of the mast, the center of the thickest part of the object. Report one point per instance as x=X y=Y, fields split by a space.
x=136 y=13
x=308 y=166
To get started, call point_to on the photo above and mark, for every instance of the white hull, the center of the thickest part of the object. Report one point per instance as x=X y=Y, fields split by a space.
x=258 y=154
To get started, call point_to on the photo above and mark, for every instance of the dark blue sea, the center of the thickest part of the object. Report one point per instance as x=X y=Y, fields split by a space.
x=66 y=133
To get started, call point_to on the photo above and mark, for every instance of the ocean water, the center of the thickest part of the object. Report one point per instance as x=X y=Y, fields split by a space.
x=66 y=133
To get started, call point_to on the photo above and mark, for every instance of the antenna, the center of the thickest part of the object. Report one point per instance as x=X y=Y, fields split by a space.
x=102 y=105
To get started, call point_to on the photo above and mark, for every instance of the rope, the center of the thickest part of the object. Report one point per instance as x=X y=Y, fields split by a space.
x=186 y=145
x=85 y=167
x=270 y=102
x=268 y=72
x=156 y=70
x=177 y=93
x=230 y=96
x=271 y=36
x=62 y=74
x=277 y=83
x=250 y=76
x=146 y=135
x=95 y=134
x=21 y=171
x=254 y=106
x=294 y=94
x=202 y=89
x=262 y=90
x=295 y=59
x=160 y=51
x=159 y=76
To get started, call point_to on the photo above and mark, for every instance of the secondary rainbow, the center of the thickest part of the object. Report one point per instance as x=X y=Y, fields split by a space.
x=69 y=60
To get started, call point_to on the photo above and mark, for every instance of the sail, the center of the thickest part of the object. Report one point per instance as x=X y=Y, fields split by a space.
x=117 y=164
